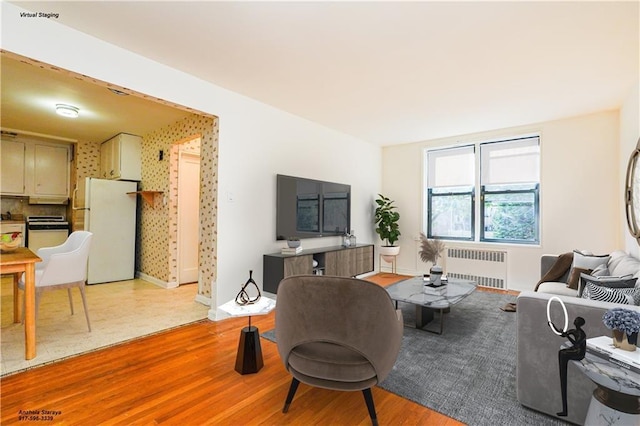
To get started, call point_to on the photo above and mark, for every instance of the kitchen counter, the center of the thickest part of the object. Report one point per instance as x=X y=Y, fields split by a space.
x=12 y=222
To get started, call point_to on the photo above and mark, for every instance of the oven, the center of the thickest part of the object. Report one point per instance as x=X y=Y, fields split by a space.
x=46 y=231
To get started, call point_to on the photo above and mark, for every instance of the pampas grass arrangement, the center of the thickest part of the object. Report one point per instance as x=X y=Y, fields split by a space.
x=430 y=249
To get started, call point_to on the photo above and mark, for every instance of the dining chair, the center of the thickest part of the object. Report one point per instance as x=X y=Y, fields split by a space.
x=63 y=266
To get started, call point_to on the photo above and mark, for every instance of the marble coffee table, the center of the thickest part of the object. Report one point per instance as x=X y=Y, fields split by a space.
x=429 y=301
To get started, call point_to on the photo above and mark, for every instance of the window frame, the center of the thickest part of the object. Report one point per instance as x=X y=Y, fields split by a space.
x=478 y=192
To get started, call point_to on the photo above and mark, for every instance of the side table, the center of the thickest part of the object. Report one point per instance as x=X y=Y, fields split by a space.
x=616 y=400
x=249 y=357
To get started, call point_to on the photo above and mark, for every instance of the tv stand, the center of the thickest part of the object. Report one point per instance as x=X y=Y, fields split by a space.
x=335 y=260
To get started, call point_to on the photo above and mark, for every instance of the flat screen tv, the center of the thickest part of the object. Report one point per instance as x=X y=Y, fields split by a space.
x=308 y=208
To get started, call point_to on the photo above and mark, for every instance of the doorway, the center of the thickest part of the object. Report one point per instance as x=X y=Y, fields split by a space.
x=188 y=216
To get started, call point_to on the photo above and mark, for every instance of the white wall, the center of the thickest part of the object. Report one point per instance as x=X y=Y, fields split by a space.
x=580 y=204
x=256 y=143
x=629 y=135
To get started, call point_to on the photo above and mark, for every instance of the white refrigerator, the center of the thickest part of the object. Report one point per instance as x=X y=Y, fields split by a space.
x=107 y=208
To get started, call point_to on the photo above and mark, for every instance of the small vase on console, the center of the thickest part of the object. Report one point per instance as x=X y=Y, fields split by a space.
x=622 y=341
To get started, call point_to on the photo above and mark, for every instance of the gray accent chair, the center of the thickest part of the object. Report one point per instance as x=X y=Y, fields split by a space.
x=337 y=333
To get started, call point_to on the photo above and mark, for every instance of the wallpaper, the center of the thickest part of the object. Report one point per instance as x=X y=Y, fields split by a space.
x=157 y=223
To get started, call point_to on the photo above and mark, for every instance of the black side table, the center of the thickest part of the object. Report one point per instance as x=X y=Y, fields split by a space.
x=249 y=357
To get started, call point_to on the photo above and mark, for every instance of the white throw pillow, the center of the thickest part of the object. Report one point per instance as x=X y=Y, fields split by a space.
x=588 y=261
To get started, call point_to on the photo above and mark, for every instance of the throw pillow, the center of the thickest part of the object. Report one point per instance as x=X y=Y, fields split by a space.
x=584 y=261
x=600 y=271
x=627 y=296
x=628 y=281
x=574 y=277
x=588 y=261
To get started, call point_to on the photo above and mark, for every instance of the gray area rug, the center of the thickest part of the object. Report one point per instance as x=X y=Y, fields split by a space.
x=468 y=372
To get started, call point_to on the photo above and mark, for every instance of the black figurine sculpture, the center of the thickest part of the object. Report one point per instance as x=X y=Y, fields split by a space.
x=576 y=352
x=243 y=298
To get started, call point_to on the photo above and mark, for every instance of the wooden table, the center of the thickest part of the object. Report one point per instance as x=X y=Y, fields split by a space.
x=16 y=262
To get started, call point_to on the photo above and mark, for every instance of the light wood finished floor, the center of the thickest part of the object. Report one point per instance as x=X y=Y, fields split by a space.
x=186 y=376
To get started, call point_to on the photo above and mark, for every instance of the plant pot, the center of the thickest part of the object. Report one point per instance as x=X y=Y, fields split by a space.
x=620 y=341
x=389 y=252
x=293 y=243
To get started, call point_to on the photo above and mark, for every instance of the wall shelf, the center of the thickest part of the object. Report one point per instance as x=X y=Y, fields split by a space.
x=147 y=196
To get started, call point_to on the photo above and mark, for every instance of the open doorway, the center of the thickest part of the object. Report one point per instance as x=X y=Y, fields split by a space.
x=188 y=216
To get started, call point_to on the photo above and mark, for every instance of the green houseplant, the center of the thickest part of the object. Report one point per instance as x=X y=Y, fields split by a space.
x=386 y=220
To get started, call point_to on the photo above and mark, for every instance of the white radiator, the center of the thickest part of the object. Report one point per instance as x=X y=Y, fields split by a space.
x=488 y=268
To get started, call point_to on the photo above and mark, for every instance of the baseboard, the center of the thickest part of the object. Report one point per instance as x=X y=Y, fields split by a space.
x=203 y=299
x=156 y=281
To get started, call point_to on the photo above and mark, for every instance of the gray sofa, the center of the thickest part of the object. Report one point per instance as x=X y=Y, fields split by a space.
x=537 y=376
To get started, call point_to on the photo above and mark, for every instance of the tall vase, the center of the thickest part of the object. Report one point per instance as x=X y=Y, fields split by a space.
x=620 y=341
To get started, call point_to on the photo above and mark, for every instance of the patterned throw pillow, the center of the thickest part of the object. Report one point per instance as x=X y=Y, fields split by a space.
x=627 y=296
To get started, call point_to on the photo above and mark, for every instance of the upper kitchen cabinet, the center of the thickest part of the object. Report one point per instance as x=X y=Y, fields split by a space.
x=12 y=170
x=51 y=170
x=121 y=158
x=35 y=169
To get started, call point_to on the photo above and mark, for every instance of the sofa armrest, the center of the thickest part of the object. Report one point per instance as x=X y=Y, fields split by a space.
x=537 y=377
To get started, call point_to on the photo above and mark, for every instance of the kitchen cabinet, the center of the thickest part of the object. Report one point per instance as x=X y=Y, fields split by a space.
x=12 y=171
x=336 y=260
x=121 y=158
x=51 y=171
x=35 y=169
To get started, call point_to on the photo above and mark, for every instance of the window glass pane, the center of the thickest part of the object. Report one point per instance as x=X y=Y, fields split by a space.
x=510 y=216
x=510 y=161
x=451 y=167
x=451 y=216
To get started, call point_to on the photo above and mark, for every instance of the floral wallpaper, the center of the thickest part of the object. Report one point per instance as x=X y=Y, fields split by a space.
x=157 y=224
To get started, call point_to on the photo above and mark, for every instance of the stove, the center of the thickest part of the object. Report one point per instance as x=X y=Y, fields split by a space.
x=47 y=222
x=46 y=231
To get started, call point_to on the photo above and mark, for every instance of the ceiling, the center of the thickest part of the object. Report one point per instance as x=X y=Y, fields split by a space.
x=386 y=72
x=30 y=93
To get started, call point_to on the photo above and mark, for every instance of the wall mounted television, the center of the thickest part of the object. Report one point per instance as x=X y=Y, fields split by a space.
x=309 y=208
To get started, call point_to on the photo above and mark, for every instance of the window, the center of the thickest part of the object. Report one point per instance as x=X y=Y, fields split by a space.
x=508 y=182
x=450 y=200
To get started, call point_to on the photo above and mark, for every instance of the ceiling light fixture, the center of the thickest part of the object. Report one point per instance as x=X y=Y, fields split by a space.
x=67 y=110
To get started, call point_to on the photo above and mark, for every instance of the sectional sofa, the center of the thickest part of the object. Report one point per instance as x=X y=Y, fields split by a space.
x=537 y=376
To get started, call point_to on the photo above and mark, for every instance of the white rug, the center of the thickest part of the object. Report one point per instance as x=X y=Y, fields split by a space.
x=118 y=312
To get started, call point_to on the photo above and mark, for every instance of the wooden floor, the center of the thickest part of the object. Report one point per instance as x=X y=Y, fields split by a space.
x=186 y=376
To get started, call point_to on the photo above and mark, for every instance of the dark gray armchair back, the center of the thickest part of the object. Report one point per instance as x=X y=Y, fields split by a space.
x=346 y=311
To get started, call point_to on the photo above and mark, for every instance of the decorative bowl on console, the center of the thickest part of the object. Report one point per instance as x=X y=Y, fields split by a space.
x=293 y=242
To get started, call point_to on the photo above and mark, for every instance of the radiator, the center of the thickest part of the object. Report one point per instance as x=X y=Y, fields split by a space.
x=488 y=268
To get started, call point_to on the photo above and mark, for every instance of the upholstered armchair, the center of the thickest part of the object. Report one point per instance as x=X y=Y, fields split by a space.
x=336 y=333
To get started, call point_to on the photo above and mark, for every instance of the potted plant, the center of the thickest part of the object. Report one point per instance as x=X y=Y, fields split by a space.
x=386 y=219
x=625 y=324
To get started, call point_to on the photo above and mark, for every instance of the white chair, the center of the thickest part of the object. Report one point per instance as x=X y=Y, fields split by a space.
x=63 y=266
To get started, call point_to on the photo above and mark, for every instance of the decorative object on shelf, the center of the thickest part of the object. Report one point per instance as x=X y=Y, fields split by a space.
x=576 y=351
x=10 y=242
x=625 y=324
x=346 y=239
x=386 y=220
x=430 y=251
x=243 y=297
x=293 y=242
x=352 y=238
